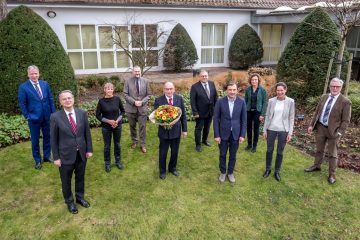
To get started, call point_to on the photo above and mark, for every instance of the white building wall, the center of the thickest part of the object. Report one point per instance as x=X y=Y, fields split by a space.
x=191 y=19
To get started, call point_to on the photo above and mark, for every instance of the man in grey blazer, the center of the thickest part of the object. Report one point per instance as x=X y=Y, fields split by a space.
x=331 y=118
x=137 y=94
x=71 y=146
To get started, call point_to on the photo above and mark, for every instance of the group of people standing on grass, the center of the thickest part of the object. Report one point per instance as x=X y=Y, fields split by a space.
x=67 y=132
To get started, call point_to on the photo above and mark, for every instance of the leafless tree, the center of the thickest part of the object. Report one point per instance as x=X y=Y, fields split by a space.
x=3 y=9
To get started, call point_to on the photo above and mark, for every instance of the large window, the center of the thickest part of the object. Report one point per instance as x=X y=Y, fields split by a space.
x=271 y=38
x=353 y=42
x=212 y=43
x=98 y=47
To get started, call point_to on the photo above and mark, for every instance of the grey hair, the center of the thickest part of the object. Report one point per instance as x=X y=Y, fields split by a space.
x=203 y=71
x=338 y=80
x=66 y=91
x=32 y=67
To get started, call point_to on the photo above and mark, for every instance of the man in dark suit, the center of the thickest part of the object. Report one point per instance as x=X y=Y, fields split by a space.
x=229 y=129
x=36 y=104
x=331 y=118
x=170 y=137
x=71 y=146
x=137 y=94
x=203 y=96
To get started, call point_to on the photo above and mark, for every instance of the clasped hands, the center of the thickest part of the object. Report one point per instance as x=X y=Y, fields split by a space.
x=113 y=123
x=58 y=161
x=218 y=140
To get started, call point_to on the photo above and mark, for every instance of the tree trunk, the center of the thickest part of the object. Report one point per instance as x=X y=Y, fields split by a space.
x=3 y=9
x=340 y=57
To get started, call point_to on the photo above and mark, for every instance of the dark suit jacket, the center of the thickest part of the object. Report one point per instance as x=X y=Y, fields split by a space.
x=223 y=123
x=200 y=103
x=180 y=126
x=64 y=143
x=131 y=95
x=32 y=107
x=339 y=117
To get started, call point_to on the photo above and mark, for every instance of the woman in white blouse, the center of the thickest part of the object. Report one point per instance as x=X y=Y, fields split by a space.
x=279 y=123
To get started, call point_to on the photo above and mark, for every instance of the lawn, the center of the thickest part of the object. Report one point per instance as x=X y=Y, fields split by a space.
x=135 y=204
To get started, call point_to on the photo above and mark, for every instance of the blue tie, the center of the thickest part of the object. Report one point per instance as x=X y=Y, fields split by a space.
x=327 y=110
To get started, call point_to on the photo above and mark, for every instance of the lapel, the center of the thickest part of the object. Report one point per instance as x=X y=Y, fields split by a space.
x=286 y=107
x=203 y=89
x=337 y=105
x=65 y=118
x=226 y=107
x=175 y=101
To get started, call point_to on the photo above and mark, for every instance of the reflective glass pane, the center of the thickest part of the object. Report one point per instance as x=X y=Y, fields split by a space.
x=90 y=60
x=88 y=36
x=276 y=34
x=76 y=60
x=219 y=34
x=206 y=35
x=218 y=55
x=122 y=36
x=138 y=58
x=105 y=37
x=151 y=35
x=265 y=33
x=107 y=59
x=275 y=54
x=152 y=58
x=122 y=60
x=266 y=56
x=206 y=55
x=137 y=35
x=72 y=36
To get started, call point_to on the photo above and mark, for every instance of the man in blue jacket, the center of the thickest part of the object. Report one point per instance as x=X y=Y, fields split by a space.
x=229 y=129
x=37 y=104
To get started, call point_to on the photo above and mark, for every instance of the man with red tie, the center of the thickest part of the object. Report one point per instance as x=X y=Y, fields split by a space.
x=170 y=137
x=37 y=104
x=71 y=147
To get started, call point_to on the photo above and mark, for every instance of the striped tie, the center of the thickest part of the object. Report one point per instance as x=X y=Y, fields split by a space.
x=72 y=123
x=38 y=91
x=170 y=101
x=327 y=110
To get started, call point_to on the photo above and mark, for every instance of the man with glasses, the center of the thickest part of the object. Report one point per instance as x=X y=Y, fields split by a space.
x=331 y=118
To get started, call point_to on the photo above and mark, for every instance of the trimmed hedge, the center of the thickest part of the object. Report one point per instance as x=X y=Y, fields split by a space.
x=246 y=48
x=26 y=39
x=180 y=52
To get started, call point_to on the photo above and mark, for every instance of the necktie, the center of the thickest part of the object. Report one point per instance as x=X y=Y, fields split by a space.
x=207 y=90
x=72 y=123
x=38 y=91
x=327 y=110
x=170 y=101
x=137 y=86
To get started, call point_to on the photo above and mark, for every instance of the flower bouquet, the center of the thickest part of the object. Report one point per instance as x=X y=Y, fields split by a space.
x=166 y=116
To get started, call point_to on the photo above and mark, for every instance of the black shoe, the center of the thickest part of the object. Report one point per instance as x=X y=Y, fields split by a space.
x=162 y=176
x=266 y=173
x=72 y=208
x=175 y=173
x=331 y=179
x=47 y=160
x=206 y=143
x=107 y=168
x=248 y=148
x=119 y=165
x=277 y=176
x=38 y=165
x=313 y=168
x=253 y=149
x=83 y=202
x=198 y=148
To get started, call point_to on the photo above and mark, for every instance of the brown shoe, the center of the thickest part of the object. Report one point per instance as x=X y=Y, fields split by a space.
x=133 y=146
x=313 y=168
x=143 y=149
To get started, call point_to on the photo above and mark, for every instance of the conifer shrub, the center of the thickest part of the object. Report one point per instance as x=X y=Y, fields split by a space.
x=246 y=48
x=26 y=39
x=180 y=52
x=303 y=64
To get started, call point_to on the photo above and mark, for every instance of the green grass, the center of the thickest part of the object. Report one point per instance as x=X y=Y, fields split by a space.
x=136 y=204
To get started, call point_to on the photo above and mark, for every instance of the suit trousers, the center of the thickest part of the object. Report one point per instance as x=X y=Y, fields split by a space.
x=232 y=145
x=163 y=150
x=202 y=124
x=271 y=137
x=108 y=133
x=35 y=128
x=253 y=125
x=322 y=137
x=66 y=172
x=141 y=119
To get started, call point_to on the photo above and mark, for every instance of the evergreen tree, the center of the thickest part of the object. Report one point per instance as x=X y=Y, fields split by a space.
x=303 y=64
x=246 y=48
x=180 y=52
x=26 y=39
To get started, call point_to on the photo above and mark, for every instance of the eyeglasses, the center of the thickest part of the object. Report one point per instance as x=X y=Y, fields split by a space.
x=335 y=86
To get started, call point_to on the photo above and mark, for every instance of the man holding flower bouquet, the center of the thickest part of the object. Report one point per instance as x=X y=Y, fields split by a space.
x=171 y=127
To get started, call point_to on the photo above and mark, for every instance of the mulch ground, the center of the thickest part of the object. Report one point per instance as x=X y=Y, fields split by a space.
x=349 y=147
